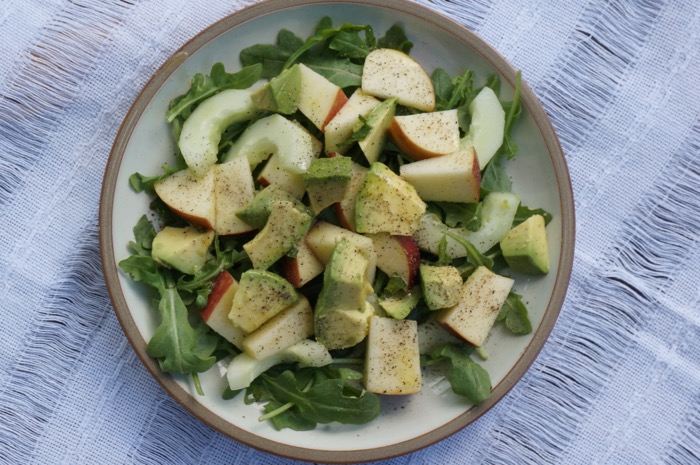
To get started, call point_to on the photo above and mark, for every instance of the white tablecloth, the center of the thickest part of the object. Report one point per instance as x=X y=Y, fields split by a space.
x=619 y=379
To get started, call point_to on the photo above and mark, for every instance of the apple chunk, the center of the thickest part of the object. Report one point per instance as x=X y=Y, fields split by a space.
x=234 y=189
x=339 y=129
x=397 y=256
x=450 y=178
x=303 y=267
x=190 y=197
x=319 y=98
x=274 y=174
x=391 y=73
x=215 y=314
x=426 y=135
x=392 y=361
x=483 y=294
x=283 y=330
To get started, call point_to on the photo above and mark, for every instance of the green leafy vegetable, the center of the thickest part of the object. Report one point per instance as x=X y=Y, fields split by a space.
x=395 y=38
x=524 y=213
x=494 y=178
x=514 y=314
x=466 y=377
x=300 y=401
x=271 y=57
x=203 y=87
x=467 y=215
x=513 y=110
x=141 y=183
x=474 y=257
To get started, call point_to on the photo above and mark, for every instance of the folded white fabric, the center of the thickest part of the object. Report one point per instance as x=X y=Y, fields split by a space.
x=619 y=380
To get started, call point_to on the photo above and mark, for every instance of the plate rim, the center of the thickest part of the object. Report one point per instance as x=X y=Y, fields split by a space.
x=184 y=398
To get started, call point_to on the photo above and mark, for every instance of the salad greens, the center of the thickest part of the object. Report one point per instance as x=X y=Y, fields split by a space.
x=302 y=397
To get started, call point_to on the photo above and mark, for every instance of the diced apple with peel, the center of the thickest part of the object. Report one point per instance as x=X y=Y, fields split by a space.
x=487 y=125
x=190 y=197
x=323 y=237
x=387 y=203
x=243 y=368
x=274 y=174
x=391 y=73
x=285 y=329
x=345 y=209
x=303 y=267
x=339 y=129
x=215 y=314
x=319 y=99
x=450 y=178
x=426 y=135
x=397 y=256
x=497 y=216
x=483 y=294
x=392 y=360
x=378 y=120
x=234 y=189
x=293 y=145
x=201 y=132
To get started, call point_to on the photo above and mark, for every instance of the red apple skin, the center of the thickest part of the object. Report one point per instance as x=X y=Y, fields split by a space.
x=403 y=247
x=412 y=257
x=221 y=285
x=340 y=100
x=404 y=143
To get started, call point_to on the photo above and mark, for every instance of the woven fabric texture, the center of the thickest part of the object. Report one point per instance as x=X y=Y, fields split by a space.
x=618 y=382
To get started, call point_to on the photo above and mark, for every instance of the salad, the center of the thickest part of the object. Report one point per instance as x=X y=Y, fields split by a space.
x=335 y=220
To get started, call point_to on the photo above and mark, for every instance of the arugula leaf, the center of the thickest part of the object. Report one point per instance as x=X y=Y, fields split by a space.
x=141 y=183
x=271 y=57
x=466 y=377
x=395 y=38
x=523 y=213
x=330 y=400
x=351 y=45
x=175 y=343
x=494 y=178
x=467 y=215
x=203 y=87
x=341 y=72
x=514 y=314
x=323 y=32
x=513 y=110
x=474 y=257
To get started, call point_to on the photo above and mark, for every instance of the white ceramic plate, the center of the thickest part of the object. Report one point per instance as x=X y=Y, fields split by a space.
x=539 y=176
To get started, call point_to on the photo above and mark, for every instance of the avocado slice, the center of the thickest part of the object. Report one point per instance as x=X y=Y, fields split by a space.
x=387 y=203
x=441 y=285
x=185 y=249
x=260 y=296
x=256 y=212
x=281 y=94
x=341 y=316
x=285 y=227
x=525 y=247
x=399 y=305
x=326 y=181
